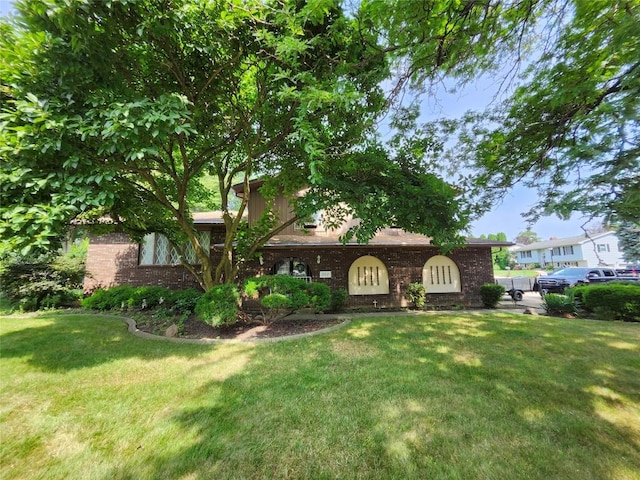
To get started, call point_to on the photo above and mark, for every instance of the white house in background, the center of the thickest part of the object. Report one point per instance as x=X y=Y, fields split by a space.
x=600 y=250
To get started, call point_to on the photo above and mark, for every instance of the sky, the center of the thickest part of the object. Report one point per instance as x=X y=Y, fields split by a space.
x=505 y=217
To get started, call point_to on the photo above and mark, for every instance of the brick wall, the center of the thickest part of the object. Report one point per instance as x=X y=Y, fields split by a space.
x=113 y=260
x=404 y=265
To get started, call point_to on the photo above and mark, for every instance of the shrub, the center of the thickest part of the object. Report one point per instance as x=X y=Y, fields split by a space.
x=148 y=296
x=300 y=293
x=276 y=301
x=555 y=304
x=109 y=299
x=319 y=296
x=339 y=298
x=219 y=306
x=613 y=301
x=416 y=294
x=184 y=301
x=490 y=294
x=42 y=283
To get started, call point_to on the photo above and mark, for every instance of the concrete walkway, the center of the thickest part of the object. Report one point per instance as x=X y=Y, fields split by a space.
x=530 y=300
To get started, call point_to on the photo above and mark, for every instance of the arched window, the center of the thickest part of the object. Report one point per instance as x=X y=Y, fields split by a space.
x=294 y=267
x=441 y=275
x=368 y=276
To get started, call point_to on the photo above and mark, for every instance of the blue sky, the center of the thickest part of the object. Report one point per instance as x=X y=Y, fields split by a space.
x=505 y=217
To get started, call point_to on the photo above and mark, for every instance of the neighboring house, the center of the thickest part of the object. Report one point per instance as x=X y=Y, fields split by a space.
x=375 y=274
x=600 y=250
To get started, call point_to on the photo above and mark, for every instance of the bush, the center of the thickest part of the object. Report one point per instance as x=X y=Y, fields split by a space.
x=110 y=299
x=184 y=301
x=613 y=301
x=555 y=304
x=33 y=284
x=416 y=294
x=219 y=306
x=276 y=301
x=149 y=296
x=490 y=294
x=339 y=298
x=300 y=293
x=319 y=296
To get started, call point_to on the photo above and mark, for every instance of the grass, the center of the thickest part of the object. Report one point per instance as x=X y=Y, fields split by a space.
x=438 y=396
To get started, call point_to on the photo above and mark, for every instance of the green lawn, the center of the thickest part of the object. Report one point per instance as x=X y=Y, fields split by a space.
x=432 y=396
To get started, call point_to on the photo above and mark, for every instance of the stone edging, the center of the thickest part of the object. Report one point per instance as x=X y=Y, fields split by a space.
x=133 y=329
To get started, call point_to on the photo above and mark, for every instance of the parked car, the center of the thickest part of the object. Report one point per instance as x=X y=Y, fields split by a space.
x=560 y=280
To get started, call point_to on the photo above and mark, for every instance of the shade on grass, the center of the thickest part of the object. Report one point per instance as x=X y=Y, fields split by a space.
x=438 y=396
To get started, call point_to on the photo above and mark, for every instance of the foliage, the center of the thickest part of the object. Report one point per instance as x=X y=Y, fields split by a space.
x=137 y=116
x=219 y=305
x=276 y=301
x=527 y=237
x=555 y=304
x=628 y=234
x=147 y=297
x=299 y=294
x=491 y=294
x=109 y=299
x=570 y=129
x=184 y=301
x=44 y=282
x=339 y=297
x=416 y=294
x=613 y=301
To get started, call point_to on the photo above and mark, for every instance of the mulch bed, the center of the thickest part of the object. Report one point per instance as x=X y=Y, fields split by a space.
x=245 y=330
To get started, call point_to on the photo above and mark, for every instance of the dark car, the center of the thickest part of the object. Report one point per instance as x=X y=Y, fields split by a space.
x=565 y=278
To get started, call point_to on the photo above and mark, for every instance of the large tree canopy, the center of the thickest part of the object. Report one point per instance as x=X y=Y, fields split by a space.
x=121 y=109
x=570 y=130
x=130 y=108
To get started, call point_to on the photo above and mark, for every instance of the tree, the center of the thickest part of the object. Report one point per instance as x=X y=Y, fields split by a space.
x=628 y=234
x=120 y=109
x=571 y=129
x=527 y=237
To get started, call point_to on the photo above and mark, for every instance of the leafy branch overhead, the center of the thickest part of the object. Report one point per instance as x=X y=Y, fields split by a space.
x=142 y=110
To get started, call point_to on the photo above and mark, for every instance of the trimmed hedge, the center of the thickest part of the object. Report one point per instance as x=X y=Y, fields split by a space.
x=555 y=304
x=491 y=294
x=219 y=306
x=43 y=284
x=611 y=301
x=416 y=294
x=300 y=293
x=125 y=296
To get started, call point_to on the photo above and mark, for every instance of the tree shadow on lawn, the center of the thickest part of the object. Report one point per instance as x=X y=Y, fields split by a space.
x=457 y=398
x=62 y=342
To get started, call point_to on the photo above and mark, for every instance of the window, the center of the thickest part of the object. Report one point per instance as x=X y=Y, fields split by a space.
x=293 y=267
x=567 y=250
x=368 y=276
x=525 y=254
x=155 y=249
x=603 y=247
x=557 y=251
x=441 y=275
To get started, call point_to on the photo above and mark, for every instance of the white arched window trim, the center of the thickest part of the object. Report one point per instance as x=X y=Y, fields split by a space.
x=368 y=276
x=441 y=275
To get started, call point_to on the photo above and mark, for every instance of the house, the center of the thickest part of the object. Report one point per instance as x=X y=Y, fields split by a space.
x=600 y=250
x=375 y=274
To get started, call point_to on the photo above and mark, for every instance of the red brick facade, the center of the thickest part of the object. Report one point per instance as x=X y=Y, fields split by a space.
x=113 y=260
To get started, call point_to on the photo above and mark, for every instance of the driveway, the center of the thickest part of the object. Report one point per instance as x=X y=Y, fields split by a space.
x=530 y=300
